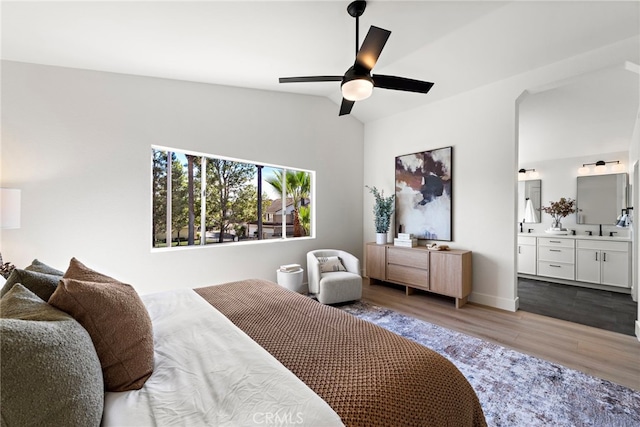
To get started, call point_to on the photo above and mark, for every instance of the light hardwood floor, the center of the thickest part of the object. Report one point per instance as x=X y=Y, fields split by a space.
x=604 y=354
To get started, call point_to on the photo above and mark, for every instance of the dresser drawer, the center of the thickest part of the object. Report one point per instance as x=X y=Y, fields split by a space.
x=551 y=241
x=560 y=254
x=556 y=269
x=409 y=257
x=408 y=275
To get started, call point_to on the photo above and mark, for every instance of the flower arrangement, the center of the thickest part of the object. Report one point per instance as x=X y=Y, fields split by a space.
x=382 y=209
x=560 y=209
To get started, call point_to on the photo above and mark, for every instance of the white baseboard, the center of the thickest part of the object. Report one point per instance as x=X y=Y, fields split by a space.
x=493 y=301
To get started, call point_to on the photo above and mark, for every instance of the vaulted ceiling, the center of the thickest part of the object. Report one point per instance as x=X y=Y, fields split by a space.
x=459 y=45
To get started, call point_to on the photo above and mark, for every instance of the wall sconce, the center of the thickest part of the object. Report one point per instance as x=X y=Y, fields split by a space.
x=601 y=167
x=524 y=174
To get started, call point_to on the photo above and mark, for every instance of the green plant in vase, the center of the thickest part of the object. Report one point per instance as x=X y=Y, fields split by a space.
x=382 y=210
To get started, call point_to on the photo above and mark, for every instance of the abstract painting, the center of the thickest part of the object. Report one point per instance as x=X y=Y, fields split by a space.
x=423 y=194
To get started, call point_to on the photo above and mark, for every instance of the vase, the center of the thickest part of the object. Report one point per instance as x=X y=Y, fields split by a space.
x=556 y=225
x=381 y=238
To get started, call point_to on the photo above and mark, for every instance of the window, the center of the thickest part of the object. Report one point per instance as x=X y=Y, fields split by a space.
x=212 y=200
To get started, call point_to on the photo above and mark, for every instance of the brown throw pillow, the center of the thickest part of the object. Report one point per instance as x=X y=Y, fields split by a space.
x=117 y=321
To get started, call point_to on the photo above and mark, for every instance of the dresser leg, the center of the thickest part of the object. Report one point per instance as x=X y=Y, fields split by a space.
x=460 y=302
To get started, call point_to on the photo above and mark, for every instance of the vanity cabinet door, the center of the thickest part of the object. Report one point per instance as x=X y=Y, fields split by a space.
x=588 y=265
x=527 y=259
x=615 y=268
x=603 y=262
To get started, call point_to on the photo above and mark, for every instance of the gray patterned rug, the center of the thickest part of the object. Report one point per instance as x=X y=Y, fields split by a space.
x=516 y=389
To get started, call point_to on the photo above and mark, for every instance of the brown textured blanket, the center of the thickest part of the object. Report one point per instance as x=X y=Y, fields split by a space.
x=368 y=375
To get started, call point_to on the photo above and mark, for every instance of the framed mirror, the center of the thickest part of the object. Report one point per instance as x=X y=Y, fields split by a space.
x=601 y=198
x=529 y=195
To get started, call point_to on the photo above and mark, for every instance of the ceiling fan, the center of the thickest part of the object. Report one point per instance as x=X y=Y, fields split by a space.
x=357 y=83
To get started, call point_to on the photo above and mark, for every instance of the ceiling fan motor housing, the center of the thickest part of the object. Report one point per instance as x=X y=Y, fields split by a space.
x=357 y=84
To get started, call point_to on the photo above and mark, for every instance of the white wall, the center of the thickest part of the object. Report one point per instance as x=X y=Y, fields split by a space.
x=77 y=143
x=480 y=125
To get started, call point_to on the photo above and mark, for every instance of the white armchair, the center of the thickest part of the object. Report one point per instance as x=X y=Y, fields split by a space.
x=333 y=287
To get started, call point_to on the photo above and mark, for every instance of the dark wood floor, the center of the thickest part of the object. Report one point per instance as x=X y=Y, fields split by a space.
x=612 y=311
x=604 y=354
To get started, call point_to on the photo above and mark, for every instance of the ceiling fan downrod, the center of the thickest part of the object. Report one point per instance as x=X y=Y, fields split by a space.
x=356 y=9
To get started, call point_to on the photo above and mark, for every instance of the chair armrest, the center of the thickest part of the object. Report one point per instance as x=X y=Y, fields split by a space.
x=351 y=262
x=313 y=273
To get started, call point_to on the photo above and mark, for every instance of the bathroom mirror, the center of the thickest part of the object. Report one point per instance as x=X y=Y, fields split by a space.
x=601 y=198
x=529 y=193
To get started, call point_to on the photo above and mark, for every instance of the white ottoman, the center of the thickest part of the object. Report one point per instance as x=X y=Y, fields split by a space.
x=292 y=280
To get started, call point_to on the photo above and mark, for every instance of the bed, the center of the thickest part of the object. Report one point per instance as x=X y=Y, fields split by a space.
x=254 y=353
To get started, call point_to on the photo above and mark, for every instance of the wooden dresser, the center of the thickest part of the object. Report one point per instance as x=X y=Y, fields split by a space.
x=442 y=272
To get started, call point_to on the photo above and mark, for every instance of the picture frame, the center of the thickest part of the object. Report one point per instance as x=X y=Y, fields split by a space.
x=423 y=188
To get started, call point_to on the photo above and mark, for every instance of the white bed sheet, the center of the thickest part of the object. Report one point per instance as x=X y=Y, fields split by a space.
x=210 y=373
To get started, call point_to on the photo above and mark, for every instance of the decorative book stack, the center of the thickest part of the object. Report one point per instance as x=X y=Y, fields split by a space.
x=406 y=240
x=290 y=268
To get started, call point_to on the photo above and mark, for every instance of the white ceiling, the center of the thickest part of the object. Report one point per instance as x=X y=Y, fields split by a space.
x=586 y=115
x=458 y=45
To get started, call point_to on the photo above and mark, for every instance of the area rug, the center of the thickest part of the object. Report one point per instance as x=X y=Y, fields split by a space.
x=516 y=389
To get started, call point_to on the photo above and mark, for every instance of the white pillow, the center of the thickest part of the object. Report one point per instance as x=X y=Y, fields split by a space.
x=330 y=263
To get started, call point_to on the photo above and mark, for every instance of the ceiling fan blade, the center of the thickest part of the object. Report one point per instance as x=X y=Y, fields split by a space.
x=371 y=47
x=346 y=106
x=310 y=79
x=401 y=83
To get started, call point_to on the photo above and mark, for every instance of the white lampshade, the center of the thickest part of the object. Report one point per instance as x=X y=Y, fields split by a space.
x=583 y=170
x=9 y=208
x=357 y=89
x=618 y=167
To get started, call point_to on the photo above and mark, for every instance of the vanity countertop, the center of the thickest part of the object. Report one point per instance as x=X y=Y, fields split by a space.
x=578 y=236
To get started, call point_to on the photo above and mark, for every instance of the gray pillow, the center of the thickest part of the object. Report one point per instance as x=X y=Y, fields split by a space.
x=40 y=284
x=41 y=267
x=50 y=370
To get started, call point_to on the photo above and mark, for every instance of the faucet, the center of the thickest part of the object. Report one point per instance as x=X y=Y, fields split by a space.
x=521 y=230
x=530 y=230
x=590 y=232
x=600 y=234
x=611 y=233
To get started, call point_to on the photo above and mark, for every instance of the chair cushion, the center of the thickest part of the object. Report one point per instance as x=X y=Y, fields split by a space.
x=336 y=287
x=330 y=263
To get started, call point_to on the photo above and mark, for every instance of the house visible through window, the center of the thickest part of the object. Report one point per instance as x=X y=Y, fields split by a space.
x=210 y=200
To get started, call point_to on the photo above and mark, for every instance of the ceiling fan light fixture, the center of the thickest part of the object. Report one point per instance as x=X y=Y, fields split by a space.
x=357 y=89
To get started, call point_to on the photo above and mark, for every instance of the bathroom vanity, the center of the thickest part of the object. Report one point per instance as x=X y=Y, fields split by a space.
x=592 y=261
